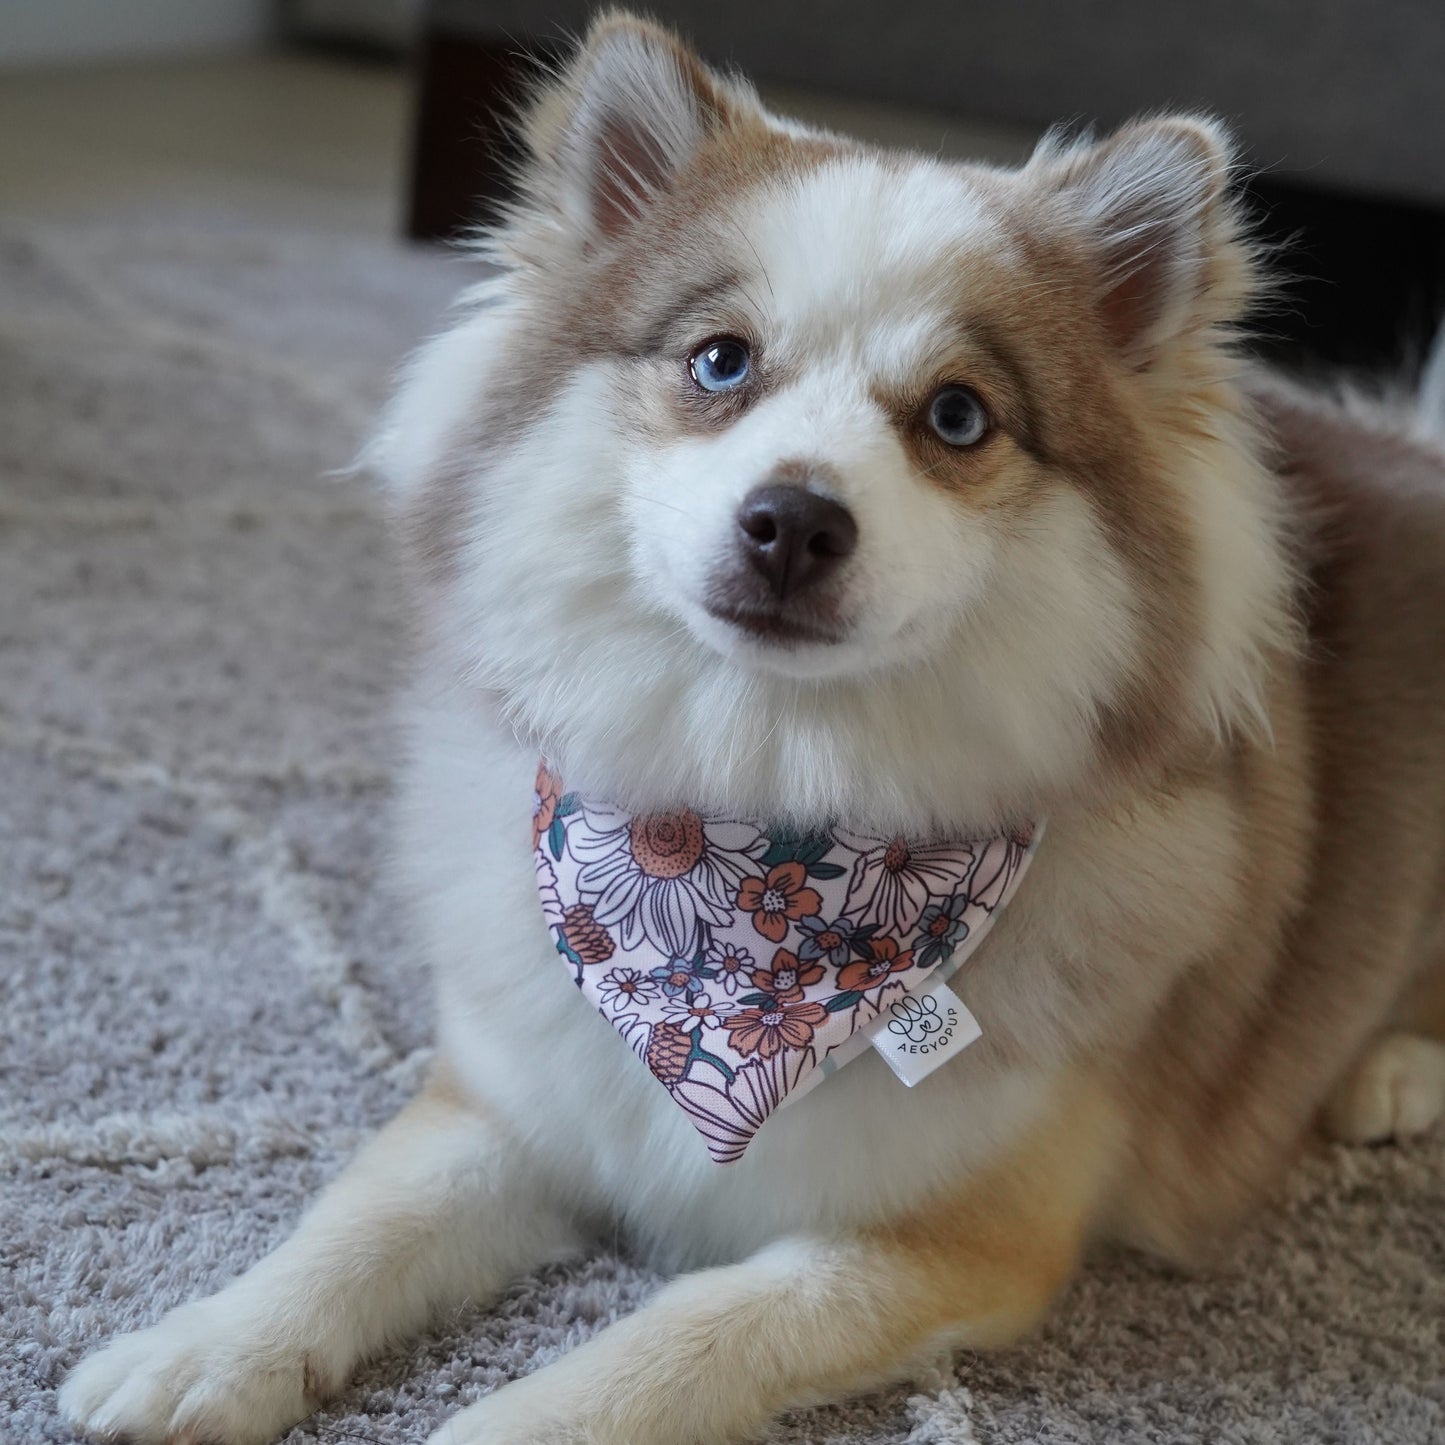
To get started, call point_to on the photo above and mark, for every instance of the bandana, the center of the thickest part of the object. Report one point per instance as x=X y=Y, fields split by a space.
x=744 y=963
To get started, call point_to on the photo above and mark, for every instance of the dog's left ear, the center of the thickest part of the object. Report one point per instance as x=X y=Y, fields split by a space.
x=622 y=122
x=1152 y=208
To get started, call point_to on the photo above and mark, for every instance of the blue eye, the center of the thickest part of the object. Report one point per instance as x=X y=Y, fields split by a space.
x=958 y=416
x=720 y=364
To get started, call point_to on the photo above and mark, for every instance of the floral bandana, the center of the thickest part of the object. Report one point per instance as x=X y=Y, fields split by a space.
x=742 y=964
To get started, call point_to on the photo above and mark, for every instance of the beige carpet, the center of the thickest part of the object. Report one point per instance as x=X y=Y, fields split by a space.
x=207 y=996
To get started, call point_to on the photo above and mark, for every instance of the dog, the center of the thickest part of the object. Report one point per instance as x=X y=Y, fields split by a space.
x=795 y=523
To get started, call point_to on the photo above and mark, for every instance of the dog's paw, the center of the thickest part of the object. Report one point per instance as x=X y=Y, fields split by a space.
x=195 y=1377
x=513 y=1415
x=1396 y=1090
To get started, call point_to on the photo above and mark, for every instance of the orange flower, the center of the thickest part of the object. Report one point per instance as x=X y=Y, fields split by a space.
x=867 y=973
x=766 y=1032
x=787 y=978
x=544 y=810
x=777 y=898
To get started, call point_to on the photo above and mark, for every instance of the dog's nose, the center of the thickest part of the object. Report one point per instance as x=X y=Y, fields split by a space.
x=794 y=537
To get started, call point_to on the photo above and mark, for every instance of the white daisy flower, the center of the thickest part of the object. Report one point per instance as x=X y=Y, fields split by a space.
x=893 y=880
x=734 y=966
x=692 y=1012
x=624 y=986
x=659 y=876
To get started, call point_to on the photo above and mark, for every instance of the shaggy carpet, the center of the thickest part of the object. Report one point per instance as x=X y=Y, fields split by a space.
x=207 y=999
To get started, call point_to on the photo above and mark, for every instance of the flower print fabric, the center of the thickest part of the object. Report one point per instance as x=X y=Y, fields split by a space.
x=735 y=958
x=657 y=880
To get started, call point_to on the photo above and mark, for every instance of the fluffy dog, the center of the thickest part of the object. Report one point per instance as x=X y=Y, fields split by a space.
x=778 y=477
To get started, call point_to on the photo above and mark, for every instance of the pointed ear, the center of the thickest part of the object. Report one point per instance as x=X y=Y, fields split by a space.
x=622 y=121
x=1151 y=202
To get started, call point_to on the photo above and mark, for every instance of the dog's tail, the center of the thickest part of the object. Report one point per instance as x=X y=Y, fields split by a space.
x=1430 y=399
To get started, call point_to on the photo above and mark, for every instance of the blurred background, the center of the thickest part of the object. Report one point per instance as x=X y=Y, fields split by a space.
x=386 y=110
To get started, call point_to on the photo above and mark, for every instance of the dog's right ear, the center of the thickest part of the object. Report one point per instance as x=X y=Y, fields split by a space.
x=623 y=119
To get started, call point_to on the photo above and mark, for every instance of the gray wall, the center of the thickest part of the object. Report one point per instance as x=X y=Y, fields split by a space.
x=62 y=32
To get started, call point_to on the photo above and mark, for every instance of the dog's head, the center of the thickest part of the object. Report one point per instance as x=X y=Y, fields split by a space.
x=779 y=473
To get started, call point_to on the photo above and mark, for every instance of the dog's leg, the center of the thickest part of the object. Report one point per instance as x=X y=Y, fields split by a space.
x=436 y=1210
x=808 y=1319
x=1397 y=1089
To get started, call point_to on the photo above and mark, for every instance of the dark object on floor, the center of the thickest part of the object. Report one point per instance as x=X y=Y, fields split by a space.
x=462 y=142
x=1366 y=281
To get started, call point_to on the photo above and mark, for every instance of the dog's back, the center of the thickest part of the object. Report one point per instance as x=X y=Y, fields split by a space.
x=1333 y=987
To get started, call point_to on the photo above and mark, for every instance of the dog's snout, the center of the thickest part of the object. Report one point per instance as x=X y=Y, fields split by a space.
x=794 y=537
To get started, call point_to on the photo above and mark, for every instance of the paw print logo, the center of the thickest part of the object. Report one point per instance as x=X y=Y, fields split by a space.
x=915 y=1018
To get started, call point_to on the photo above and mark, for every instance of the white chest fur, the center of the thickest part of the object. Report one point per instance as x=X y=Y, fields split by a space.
x=861 y=1147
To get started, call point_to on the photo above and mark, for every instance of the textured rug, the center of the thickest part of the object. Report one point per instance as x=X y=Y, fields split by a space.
x=207 y=998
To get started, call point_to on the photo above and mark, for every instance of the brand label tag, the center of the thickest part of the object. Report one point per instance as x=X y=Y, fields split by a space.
x=923 y=1030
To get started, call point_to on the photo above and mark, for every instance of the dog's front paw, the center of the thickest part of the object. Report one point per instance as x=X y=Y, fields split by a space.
x=199 y=1375
x=514 y=1415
